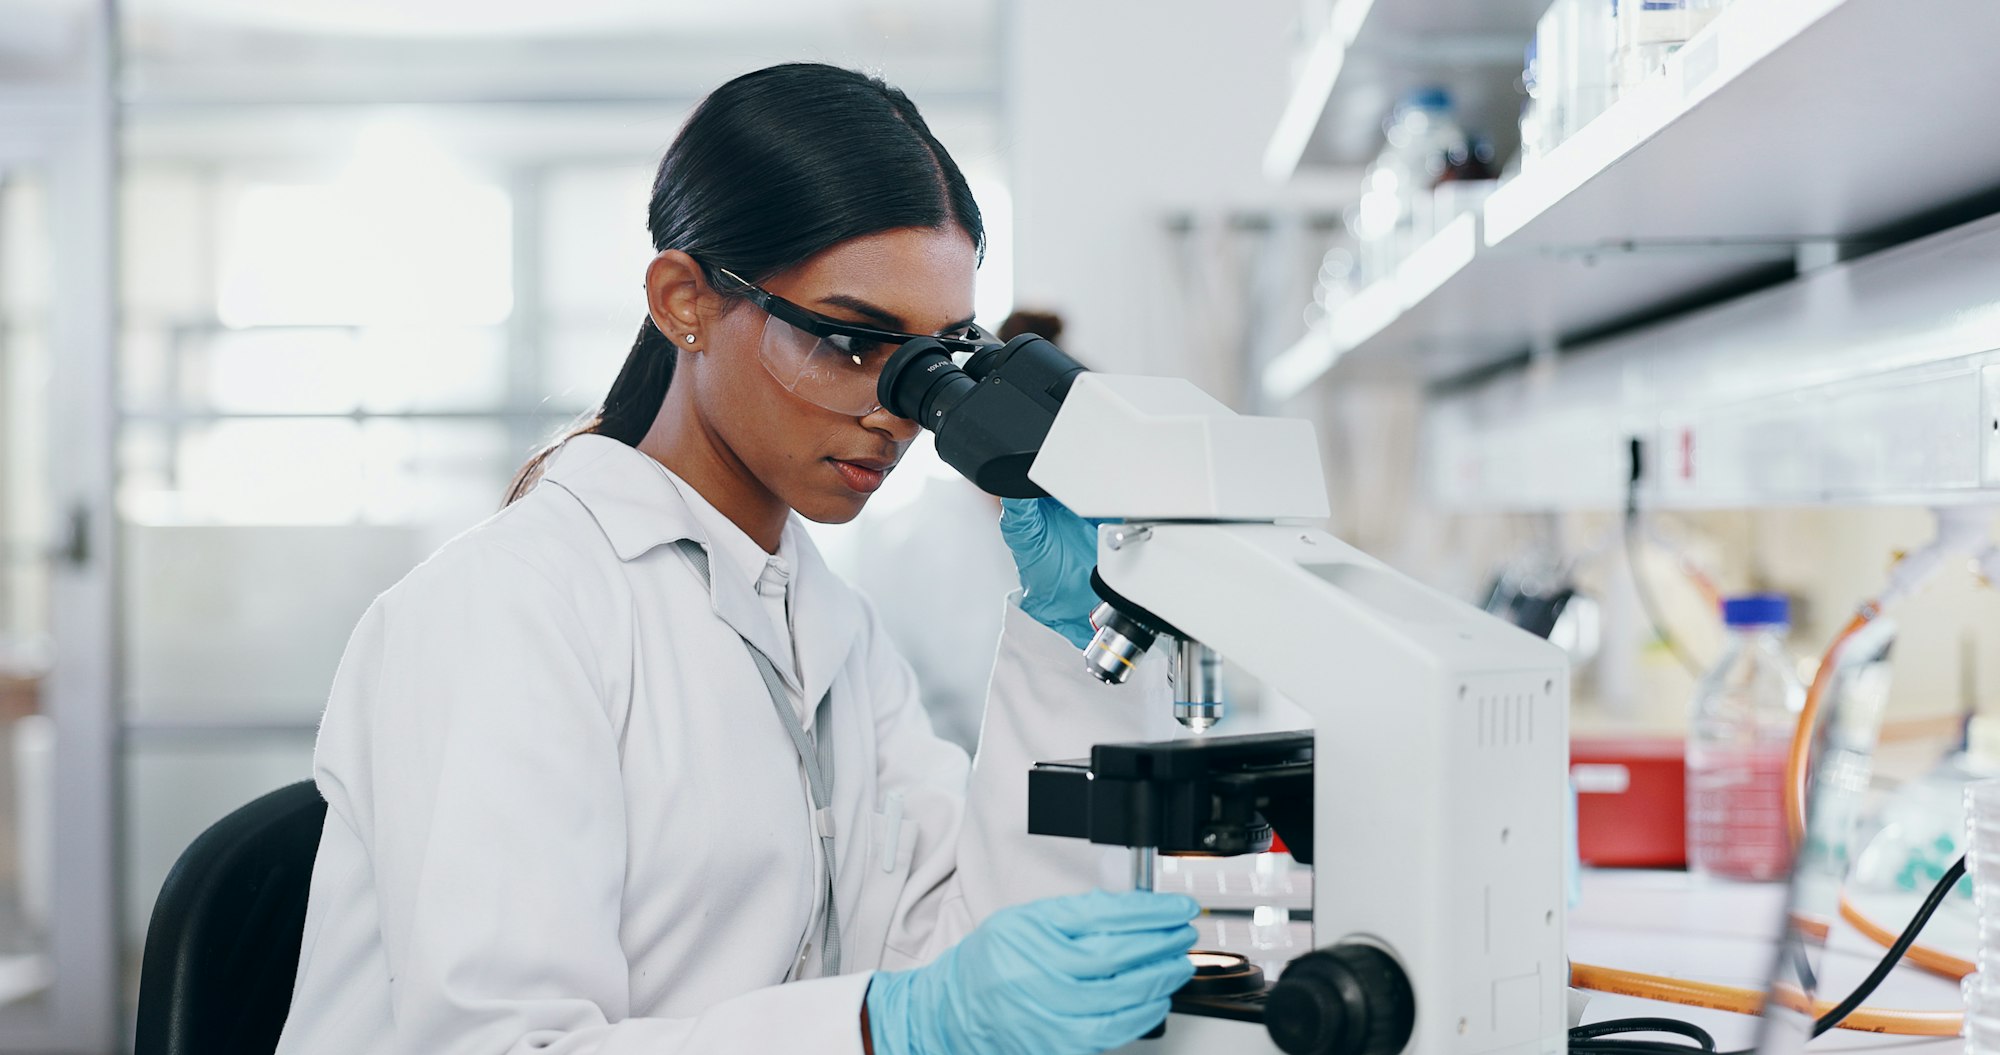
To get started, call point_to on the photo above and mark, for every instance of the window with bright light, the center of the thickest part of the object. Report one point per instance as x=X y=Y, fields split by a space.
x=340 y=315
x=365 y=253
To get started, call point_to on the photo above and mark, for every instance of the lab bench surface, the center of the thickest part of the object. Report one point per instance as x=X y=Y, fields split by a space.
x=1674 y=924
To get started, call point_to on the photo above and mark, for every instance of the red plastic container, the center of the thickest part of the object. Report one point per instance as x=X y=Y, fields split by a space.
x=1631 y=800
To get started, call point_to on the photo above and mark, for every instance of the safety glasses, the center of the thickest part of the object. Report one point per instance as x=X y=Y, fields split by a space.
x=830 y=363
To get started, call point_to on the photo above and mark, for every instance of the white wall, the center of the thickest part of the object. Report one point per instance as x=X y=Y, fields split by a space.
x=1121 y=112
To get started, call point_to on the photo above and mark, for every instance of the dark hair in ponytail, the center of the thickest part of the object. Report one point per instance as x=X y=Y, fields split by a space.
x=771 y=169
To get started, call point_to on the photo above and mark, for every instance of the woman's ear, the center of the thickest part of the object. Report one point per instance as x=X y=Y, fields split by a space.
x=678 y=297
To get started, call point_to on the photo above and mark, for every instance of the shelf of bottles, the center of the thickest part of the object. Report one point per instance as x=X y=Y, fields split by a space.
x=1671 y=155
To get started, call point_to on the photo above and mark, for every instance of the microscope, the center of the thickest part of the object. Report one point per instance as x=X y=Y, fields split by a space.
x=1428 y=796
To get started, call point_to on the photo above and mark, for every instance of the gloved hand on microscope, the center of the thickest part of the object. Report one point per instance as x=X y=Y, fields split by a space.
x=1060 y=976
x=1054 y=551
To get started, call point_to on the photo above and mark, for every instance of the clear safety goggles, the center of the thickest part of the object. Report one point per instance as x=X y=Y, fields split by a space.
x=835 y=364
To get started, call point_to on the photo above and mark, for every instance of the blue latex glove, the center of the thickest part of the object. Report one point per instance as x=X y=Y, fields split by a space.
x=1054 y=551
x=1061 y=976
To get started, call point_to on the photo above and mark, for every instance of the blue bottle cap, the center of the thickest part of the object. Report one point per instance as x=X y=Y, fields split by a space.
x=1758 y=609
x=1433 y=97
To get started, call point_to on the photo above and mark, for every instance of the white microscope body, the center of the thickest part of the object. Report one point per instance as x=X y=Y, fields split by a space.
x=1440 y=738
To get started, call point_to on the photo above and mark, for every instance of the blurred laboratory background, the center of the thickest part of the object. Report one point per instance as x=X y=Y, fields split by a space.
x=1604 y=311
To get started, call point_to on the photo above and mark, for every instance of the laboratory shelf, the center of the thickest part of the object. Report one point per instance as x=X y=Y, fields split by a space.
x=1788 y=131
x=1371 y=52
x=1784 y=120
x=1456 y=306
x=1870 y=382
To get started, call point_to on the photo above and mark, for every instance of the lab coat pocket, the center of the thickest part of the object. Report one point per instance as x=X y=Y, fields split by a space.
x=885 y=871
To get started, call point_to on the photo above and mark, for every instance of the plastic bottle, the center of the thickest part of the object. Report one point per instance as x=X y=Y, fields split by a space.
x=1745 y=711
x=1650 y=31
x=1424 y=130
x=1538 y=108
x=1982 y=867
x=1549 y=89
x=1333 y=286
x=1591 y=84
x=1422 y=134
x=1843 y=771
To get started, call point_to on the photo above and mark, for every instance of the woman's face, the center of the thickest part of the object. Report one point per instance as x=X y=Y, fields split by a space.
x=820 y=462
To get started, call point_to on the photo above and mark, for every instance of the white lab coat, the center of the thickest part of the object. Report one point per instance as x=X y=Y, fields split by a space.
x=563 y=818
x=945 y=540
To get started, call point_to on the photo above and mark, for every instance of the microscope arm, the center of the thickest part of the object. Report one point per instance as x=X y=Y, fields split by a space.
x=1439 y=733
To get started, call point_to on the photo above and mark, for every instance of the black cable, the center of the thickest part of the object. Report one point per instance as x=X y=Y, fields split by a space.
x=1634 y=1047
x=1595 y=1030
x=1639 y=583
x=1839 y=1012
x=1595 y=1039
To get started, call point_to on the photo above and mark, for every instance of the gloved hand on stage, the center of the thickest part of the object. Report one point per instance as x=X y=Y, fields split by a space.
x=1061 y=976
x=1054 y=551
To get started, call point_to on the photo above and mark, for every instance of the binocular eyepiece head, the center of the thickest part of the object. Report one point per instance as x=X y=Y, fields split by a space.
x=991 y=414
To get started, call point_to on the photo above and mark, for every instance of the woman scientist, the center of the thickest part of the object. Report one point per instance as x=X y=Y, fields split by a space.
x=611 y=767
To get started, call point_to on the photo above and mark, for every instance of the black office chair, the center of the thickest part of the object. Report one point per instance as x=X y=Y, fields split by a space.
x=222 y=949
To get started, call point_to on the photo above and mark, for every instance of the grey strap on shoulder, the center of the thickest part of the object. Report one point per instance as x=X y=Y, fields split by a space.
x=815 y=754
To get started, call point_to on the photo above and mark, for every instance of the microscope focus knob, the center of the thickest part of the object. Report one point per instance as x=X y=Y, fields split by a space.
x=1347 y=1000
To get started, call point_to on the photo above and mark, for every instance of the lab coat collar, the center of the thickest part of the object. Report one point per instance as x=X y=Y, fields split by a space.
x=639 y=510
x=826 y=617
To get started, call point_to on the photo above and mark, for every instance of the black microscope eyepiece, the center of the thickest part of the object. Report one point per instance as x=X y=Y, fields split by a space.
x=992 y=414
x=922 y=384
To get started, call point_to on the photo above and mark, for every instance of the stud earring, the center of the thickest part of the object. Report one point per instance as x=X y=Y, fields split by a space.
x=688 y=337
